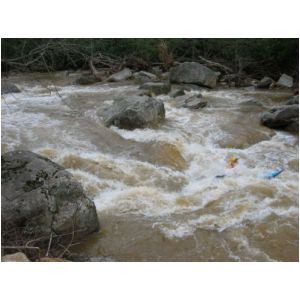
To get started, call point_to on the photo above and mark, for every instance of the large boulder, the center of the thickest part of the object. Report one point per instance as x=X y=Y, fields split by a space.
x=264 y=83
x=41 y=196
x=7 y=88
x=192 y=72
x=122 y=75
x=282 y=117
x=156 y=88
x=285 y=81
x=135 y=112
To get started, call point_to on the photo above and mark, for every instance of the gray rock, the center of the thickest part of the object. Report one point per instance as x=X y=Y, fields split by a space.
x=122 y=75
x=177 y=93
x=7 y=88
x=285 y=81
x=194 y=102
x=41 y=195
x=293 y=100
x=265 y=83
x=157 y=88
x=135 y=112
x=16 y=257
x=146 y=74
x=190 y=101
x=192 y=72
x=282 y=117
x=86 y=79
x=143 y=76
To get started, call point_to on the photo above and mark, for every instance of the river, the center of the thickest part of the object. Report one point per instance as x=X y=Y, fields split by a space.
x=155 y=190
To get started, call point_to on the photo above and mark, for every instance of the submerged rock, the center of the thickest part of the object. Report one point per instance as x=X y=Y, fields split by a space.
x=238 y=136
x=167 y=154
x=251 y=103
x=282 y=117
x=43 y=197
x=157 y=88
x=119 y=76
x=192 y=72
x=194 y=102
x=190 y=101
x=7 y=88
x=251 y=106
x=285 y=81
x=135 y=112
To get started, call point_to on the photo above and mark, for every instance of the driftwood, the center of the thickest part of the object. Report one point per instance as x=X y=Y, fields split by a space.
x=51 y=56
x=213 y=64
x=41 y=58
x=94 y=70
x=35 y=246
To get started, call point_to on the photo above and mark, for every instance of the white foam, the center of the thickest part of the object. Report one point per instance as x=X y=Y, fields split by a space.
x=144 y=188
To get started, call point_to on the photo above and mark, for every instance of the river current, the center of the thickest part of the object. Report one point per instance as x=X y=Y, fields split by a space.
x=156 y=190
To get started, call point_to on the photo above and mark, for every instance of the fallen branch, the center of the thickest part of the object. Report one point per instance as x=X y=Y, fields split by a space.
x=49 y=245
x=20 y=247
x=94 y=70
x=212 y=64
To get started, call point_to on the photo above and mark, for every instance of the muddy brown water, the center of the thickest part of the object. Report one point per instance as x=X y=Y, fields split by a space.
x=156 y=191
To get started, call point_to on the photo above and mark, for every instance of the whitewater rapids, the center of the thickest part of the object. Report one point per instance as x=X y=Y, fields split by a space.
x=155 y=190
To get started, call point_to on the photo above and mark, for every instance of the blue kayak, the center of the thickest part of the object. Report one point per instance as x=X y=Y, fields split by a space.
x=272 y=174
x=267 y=175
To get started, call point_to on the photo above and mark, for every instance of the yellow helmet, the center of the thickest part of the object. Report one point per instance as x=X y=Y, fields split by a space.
x=233 y=159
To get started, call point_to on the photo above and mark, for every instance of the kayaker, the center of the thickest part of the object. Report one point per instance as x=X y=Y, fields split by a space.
x=232 y=162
